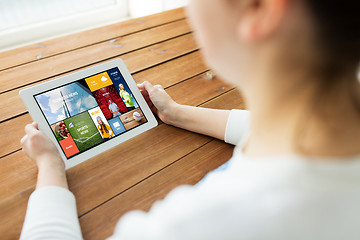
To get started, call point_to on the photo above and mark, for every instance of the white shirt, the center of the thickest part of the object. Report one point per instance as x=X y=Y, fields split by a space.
x=282 y=198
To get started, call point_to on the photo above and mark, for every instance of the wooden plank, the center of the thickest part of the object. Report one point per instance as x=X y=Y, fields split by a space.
x=52 y=47
x=25 y=172
x=136 y=61
x=15 y=204
x=100 y=223
x=17 y=173
x=62 y=63
x=14 y=129
x=24 y=177
x=12 y=212
x=197 y=90
x=159 y=53
x=205 y=91
x=93 y=182
x=227 y=101
x=168 y=73
x=12 y=201
x=179 y=72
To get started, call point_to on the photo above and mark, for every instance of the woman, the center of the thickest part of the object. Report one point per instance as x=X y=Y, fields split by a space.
x=104 y=129
x=295 y=173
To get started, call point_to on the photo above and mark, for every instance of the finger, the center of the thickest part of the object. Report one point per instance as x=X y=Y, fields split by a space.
x=148 y=86
x=30 y=129
x=148 y=101
x=23 y=139
x=154 y=109
x=145 y=95
x=36 y=125
x=159 y=86
x=140 y=86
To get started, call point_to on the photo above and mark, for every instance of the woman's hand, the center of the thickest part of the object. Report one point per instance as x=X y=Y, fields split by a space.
x=43 y=152
x=206 y=121
x=39 y=148
x=159 y=102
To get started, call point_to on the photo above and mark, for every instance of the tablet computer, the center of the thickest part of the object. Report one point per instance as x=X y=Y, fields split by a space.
x=90 y=111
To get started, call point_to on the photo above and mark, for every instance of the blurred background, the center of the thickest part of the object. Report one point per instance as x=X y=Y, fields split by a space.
x=23 y=22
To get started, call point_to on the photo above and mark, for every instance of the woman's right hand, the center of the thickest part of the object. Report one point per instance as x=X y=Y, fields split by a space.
x=40 y=149
x=159 y=101
x=51 y=167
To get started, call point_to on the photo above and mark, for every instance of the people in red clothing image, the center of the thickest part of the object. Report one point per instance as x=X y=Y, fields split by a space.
x=110 y=102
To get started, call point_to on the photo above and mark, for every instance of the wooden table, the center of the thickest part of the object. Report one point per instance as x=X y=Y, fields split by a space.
x=158 y=48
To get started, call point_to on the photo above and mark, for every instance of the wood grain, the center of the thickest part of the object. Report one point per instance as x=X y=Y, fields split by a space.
x=168 y=73
x=89 y=171
x=136 y=61
x=62 y=63
x=100 y=223
x=93 y=182
x=230 y=100
x=12 y=182
x=45 y=49
x=159 y=49
x=12 y=212
x=16 y=125
x=24 y=178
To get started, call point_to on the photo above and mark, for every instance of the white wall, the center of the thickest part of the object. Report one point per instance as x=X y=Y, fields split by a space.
x=17 y=13
x=139 y=8
x=29 y=21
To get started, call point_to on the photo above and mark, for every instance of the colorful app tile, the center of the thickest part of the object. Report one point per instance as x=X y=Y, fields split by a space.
x=83 y=131
x=117 y=126
x=60 y=131
x=110 y=102
x=69 y=146
x=66 y=101
x=98 y=81
x=123 y=89
x=101 y=123
x=133 y=118
x=63 y=135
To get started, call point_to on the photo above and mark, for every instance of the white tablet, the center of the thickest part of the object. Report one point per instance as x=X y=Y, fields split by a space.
x=90 y=111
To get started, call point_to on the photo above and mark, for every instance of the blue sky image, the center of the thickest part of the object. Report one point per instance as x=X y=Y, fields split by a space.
x=65 y=102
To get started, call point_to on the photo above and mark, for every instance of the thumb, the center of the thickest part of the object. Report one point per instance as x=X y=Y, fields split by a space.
x=31 y=128
x=36 y=125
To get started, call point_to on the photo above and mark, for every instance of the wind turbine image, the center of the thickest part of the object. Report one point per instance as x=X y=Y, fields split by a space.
x=65 y=107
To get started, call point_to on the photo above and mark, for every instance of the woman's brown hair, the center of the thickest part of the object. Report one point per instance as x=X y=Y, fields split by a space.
x=103 y=127
x=337 y=24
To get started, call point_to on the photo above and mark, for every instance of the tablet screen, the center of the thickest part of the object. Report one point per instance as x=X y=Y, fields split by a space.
x=90 y=111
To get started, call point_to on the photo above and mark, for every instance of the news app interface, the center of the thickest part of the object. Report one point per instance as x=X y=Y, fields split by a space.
x=88 y=112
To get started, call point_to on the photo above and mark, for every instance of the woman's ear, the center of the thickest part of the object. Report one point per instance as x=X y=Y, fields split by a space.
x=260 y=18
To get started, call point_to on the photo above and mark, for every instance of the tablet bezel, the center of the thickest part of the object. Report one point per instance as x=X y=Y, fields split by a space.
x=37 y=115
